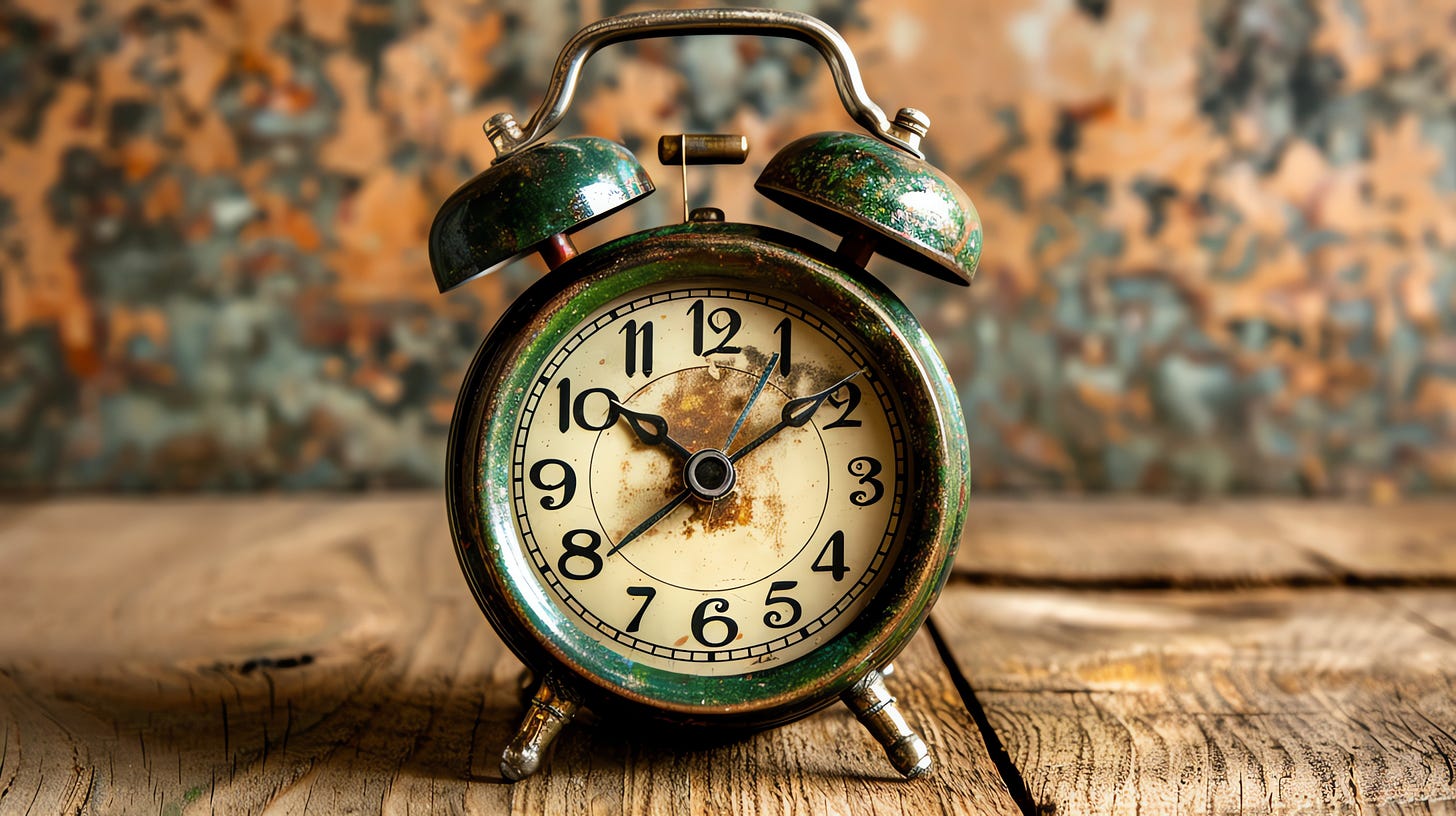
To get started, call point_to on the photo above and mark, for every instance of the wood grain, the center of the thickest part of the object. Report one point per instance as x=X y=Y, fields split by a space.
x=1412 y=542
x=324 y=656
x=1263 y=700
x=216 y=655
x=824 y=764
x=1133 y=543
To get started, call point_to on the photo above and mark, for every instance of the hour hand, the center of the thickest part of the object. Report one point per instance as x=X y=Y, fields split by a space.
x=650 y=428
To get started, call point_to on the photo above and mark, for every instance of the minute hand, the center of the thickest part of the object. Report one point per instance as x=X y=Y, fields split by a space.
x=796 y=414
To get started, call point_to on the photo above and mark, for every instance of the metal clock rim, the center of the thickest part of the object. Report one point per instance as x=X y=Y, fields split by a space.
x=802 y=685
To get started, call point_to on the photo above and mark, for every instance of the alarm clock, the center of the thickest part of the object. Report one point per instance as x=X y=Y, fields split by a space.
x=710 y=475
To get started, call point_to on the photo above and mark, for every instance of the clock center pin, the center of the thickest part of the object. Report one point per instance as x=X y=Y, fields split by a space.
x=710 y=475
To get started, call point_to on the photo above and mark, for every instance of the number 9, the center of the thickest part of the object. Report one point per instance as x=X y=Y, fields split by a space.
x=567 y=484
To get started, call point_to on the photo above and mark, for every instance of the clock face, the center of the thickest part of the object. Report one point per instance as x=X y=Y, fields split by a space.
x=679 y=476
x=709 y=478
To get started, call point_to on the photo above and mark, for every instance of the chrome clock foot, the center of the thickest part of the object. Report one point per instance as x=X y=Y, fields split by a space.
x=550 y=710
x=872 y=704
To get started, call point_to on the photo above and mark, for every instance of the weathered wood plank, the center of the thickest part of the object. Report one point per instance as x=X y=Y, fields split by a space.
x=231 y=655
x=1444 y=807
x=324 y=656
x=1410 y=542
x=1126 y=542
x=824 y=764
x=1269 y=700
x=1154 y=543
x=12 y=511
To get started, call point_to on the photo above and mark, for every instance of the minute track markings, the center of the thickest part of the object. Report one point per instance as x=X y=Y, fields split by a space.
x=878 y=555
x=758 y=650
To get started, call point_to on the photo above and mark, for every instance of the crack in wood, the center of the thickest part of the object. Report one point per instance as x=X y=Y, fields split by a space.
x=1010 y=774
x=1202 y=583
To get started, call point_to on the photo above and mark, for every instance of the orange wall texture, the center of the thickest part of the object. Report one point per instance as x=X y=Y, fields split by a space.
x=1220 y=237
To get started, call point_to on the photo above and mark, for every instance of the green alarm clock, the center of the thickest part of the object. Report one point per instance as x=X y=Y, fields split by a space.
x=709 y=475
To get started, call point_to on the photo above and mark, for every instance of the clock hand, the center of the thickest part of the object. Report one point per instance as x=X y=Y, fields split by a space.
x=747 y=406
x=649 y=521
x=650 y=428
x=752 y=398
x=796 y=414
x=653 y=430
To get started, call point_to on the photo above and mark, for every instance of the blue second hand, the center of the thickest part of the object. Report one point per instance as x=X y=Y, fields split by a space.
x=682 y=496
x=757 y=389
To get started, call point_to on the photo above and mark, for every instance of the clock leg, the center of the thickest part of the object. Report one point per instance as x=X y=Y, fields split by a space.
x=872 y=704
x=549 y=710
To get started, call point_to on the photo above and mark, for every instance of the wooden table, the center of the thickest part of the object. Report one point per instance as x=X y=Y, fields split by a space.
x=322 y=655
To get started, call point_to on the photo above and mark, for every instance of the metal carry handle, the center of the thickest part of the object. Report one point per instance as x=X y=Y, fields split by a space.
x=903 y=132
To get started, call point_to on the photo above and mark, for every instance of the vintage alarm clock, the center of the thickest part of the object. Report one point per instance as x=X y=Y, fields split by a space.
x=709 y=475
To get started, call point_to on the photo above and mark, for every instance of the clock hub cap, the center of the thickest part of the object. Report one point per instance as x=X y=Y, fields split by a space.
x=709 y=474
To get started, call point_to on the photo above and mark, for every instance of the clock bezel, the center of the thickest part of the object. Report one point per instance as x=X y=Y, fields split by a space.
x=480 y=499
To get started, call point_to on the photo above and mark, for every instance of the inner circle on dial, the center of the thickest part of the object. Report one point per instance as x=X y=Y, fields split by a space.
x=753 y=528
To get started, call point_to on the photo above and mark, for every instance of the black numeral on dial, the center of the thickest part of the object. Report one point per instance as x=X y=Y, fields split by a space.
x=576 y=553
x=581 y=411
x=785 y=331
x=849 y=401
x=723 y=322
x=639 y=347
x=834 y=552
x=646 y=593
x=566 y=484
x=701 y=621
x=778 y=618
x=866 y=468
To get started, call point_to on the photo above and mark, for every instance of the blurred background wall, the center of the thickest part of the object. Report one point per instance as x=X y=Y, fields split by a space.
x=1219 y=236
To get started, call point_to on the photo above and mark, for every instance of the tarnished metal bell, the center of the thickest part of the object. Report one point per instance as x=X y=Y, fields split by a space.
x=884 y=197
x=527 y=198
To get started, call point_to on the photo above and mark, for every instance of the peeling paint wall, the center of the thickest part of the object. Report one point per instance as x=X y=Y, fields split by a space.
x=1221 y=237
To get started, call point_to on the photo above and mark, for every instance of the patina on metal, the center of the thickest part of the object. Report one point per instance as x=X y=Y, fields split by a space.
x=488 y=541
x=857 y=187
x=513 y=206
x=511 y=138
x=876 y=192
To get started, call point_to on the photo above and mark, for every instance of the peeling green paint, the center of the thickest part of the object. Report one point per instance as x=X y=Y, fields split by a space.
x=849 y=182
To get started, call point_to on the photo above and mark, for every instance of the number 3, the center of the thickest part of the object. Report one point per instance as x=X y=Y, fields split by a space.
x=866 y=468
